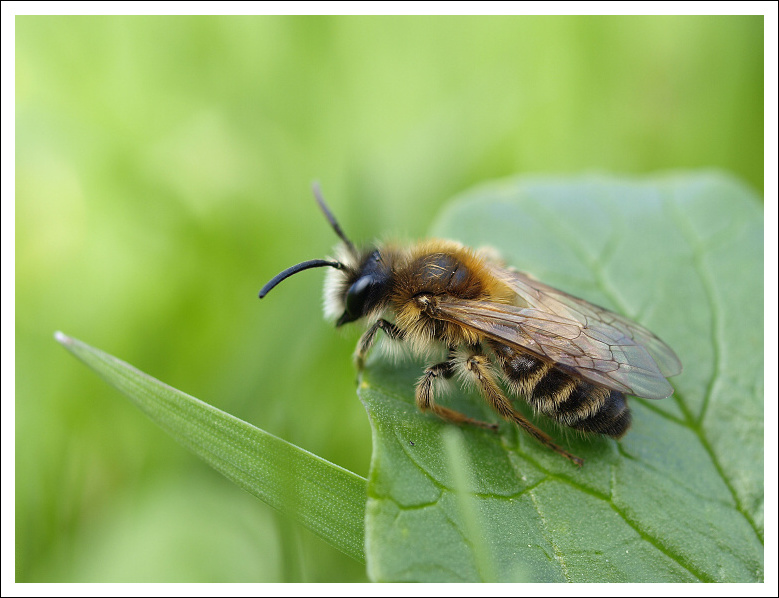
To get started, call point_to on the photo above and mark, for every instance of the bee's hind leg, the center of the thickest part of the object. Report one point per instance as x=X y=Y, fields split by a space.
x=426 y=400
x=478 y=367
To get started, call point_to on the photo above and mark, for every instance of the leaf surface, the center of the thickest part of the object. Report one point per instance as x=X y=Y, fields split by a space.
x=680 y=498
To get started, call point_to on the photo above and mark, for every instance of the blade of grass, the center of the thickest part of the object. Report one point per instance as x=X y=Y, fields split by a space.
x=327 y=499
x=461 y=470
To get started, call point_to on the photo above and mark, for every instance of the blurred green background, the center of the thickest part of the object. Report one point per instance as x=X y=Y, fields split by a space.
x=163 y=170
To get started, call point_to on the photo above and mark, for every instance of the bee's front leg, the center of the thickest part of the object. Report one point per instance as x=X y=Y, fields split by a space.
x=369 y=337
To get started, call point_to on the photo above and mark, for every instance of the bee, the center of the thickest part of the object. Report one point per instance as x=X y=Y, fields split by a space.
x=502 y=330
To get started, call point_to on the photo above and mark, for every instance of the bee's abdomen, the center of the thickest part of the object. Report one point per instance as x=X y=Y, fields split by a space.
x=567 y=399
x=612 y=417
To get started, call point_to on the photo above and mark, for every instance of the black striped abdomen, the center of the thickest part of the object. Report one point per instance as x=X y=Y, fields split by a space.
x=565 y=398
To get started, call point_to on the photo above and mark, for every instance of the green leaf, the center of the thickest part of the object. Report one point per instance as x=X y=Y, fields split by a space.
x=680 y=498
x=327 y=499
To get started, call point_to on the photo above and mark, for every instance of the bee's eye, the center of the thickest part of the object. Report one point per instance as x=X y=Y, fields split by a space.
x=366 y=293
x=356 y=296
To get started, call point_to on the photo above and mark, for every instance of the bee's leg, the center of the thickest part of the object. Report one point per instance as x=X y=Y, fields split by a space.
x=479 y=368
x=426 y=401
x=369 y=336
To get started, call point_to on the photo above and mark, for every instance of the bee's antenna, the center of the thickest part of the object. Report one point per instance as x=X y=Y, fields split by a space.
x=294 y=270
x=330 y=218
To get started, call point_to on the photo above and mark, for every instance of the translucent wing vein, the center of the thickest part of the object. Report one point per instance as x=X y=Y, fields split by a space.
x=593 y=342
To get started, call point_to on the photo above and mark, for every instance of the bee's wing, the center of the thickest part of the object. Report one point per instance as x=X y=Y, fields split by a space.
x=589 y=315
x=597 y=344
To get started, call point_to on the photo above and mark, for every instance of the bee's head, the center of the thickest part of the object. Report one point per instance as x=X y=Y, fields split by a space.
x=357 y=289
x=356 y=285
